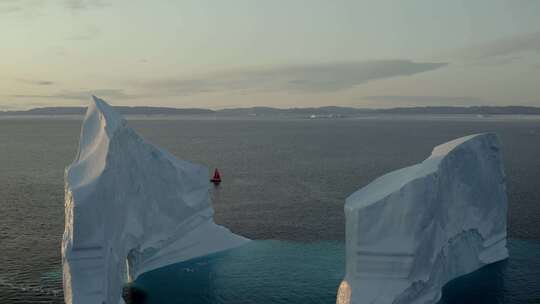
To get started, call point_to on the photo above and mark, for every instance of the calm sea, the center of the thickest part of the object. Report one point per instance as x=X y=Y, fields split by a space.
x=285 y=182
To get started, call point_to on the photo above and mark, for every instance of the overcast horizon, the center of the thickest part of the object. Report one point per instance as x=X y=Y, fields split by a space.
x=241 y=53
x=85 y=104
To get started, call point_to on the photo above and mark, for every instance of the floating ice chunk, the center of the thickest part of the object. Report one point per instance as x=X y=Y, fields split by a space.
x=130 y=207
x=411 y=231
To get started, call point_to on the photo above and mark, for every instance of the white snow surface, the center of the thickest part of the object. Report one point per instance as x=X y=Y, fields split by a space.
x=413 y=230
x=130 y=207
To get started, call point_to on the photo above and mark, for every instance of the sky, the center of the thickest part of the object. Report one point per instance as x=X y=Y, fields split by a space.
x=281 y=53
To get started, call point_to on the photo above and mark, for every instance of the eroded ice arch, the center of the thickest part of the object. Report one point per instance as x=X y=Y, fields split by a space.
x=130 y=207
x=411 y=231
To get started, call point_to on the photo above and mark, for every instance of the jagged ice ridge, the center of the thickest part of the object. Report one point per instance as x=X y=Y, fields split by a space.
x=130 y=207
x=413 y=230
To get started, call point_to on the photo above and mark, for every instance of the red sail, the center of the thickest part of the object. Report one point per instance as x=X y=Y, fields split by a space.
x=217 y=177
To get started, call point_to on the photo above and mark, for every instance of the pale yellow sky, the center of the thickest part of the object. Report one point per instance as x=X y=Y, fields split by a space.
x=295 y=53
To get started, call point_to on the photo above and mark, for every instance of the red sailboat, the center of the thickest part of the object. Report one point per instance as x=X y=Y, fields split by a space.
x=217 y=177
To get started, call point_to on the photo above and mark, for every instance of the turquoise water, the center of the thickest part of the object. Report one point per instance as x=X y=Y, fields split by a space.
x=259 y=272
x=266 y=272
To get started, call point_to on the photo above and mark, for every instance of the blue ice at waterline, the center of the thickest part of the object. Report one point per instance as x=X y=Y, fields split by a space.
x=272 y=271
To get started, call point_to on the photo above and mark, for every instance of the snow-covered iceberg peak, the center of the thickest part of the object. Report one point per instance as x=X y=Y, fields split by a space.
x=411 y=231
x=130 y=207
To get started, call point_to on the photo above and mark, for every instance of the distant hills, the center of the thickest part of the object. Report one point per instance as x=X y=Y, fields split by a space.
x=331 y=111
x=123 y=110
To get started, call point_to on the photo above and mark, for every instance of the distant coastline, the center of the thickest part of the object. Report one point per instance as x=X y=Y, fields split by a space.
x=312 y=112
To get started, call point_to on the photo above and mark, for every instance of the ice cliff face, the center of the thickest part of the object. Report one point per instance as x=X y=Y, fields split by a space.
x=130 y=207
x=411 y=231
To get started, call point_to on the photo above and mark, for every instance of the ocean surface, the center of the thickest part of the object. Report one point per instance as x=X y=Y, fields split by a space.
x=285 y=182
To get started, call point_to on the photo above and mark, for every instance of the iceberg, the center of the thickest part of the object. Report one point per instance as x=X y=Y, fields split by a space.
x=130 y=207
x=413 y=230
